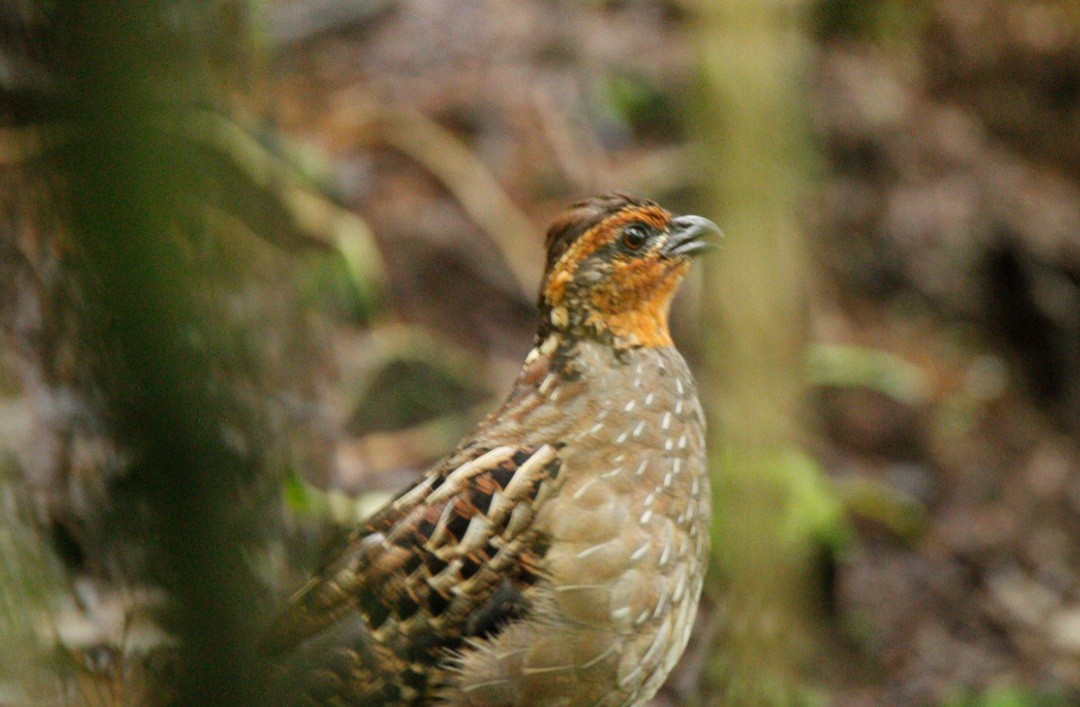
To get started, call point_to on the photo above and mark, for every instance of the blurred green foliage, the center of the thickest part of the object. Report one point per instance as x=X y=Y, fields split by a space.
x=885 y=505
x=641 y=106
x=860 y=367
x=307 y=501
x=1007 y=696
x=29 y=578
x=814 y=514
x=882 y=20
x=328 y=283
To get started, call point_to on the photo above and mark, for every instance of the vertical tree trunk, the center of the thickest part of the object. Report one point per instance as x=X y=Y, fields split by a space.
x=181 y=508
x=124 y=182
x=747 y=112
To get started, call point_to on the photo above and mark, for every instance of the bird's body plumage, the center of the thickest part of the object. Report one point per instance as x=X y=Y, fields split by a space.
x=557 y=555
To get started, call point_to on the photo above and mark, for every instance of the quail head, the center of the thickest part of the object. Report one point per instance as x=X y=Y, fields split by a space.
x=556 y=556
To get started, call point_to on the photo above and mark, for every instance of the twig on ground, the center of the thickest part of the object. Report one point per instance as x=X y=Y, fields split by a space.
x=463 y=174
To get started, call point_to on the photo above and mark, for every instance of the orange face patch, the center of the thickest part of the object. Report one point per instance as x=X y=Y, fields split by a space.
x=632 y=299
x=600 y=235
x=634 y=304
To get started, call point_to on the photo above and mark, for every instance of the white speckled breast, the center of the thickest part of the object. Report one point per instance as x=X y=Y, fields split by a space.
x=628 y=534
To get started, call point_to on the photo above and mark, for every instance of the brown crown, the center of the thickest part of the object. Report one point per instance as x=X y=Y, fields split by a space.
x=583 y=215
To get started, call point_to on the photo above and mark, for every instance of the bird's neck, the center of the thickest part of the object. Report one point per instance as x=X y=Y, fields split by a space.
x=645 y=326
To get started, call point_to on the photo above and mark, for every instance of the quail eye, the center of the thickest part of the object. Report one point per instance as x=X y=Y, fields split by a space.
x=634 y=236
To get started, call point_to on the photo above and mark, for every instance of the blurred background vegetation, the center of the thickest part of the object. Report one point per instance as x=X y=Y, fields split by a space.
x=262 y=261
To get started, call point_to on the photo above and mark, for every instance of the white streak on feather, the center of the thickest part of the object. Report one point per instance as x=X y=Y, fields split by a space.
x=680 y=587
x=630 y=678
x=457 y=478
x=583 y=488
x=418 y=491
x=525 y=473
x=578 y=587
x=661 y=606
x=590 y=550
x=476 y=534
x=500 y=505
x=658 y=644
x=472 y=687
x=448 y=577
x=611 y=650
x=541 y=671
x=550 y=344
x=519 y=519
x=437 y=538
x=666 y=552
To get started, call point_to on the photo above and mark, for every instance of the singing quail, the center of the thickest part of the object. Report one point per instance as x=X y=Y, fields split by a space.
x=557 y=555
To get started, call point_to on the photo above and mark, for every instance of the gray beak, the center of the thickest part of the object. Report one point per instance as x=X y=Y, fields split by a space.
x=686 y=235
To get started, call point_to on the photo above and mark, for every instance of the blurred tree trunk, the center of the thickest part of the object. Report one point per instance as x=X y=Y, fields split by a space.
x=747 y=113
x=136 y=68
x=171 y=512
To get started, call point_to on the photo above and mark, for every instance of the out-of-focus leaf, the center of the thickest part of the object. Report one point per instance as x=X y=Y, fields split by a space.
x=885 y=505
x=814 y=511
x=639 y=105
x=1009 y=697
x=305 y=500
x=859 y=367
x=331 y=282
